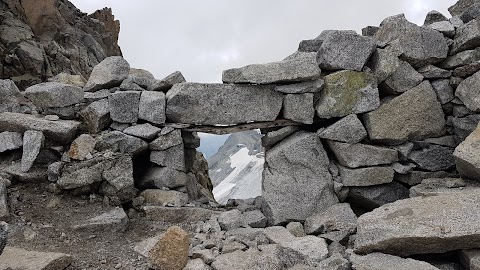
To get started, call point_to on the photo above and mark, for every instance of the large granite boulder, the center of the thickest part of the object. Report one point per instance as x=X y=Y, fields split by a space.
x=418 y=109
x=11 y=99
x=10 y=141
x=362 y=155
x=124 y=106
x=62 y=131
x=348 y=92
x=52 y=94
x=152 y=107
x=468 y=91
x=303 y=68
x=467 y=158
x=108 y=73
x=348 y=129
x=467 y=37
x=96 y=116
x=421 y=225
x=345 y=50
x=222 y=104
x=296 y=174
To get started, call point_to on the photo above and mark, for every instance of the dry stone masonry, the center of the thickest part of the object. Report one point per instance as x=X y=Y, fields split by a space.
x=372 y=148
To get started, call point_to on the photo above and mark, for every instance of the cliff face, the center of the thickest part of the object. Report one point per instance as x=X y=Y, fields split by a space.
x=39 y=39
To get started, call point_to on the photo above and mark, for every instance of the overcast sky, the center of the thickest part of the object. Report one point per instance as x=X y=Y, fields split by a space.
x=201 y=38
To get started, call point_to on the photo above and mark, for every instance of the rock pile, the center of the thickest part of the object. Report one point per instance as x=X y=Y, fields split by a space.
x=371 y=150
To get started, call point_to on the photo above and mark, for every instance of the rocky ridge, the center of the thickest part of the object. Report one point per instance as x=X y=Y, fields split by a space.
x=371 y=155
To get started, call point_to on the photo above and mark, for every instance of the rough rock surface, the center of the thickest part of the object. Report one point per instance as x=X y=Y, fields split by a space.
x=52 y=94
x=418 y=109
x=468 y=90
x=10 y=141
x=299 y=108
x=305 y=149
x=369 y=176
x=335 y=218
x=304 y=68
x=466 y=157
x=17 y=258
x=421 y=225
x=380 y=261
x=348 y=129
x=108 y=73
x=152 y=107
x=124 y=106
x=361 y=155
x=96 y=116
x=171 y=250
x=196 y=103
x=32 y=144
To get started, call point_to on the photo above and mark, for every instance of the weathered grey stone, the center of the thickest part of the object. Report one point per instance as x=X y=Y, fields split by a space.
x=296 y=228
x=167 y=140
x=17 y=258
x=124 y=106
x=467 y=158
x=36 y=174
x=369 y=31
x=470 y=259
x=426 y=222
x=254 y=219
x=467 y=70
x=337 y=217
x=375 y=196
x=461 y=59
x=171 y=250
x=173 y=157
x=443 y=141
x=216 y=104
x=305 y=149
x=11 y=99
x=65 y=78
x=369 y=176
x=380 y=261
x=204 y=254
x=54 y=171
x=268 y=258
x=96 y=116
x=273 y=137
x=444 y=91
x=81 y=174
x=348 y=129
x=309 y=249
x=115 y=220
x=466 y=38
x=299 y=69
x=144 y=131
x=81 y=147
x=433 y=17
x=108 y=73
x=62 y=131
x=32 y=144
x=278 y=234
x=95 y=96
x=300 y=88
x=444 y=27
x=4 y=213
x=230 y=220
x=334 y=262
x=460 y=6
x=119 y=185
x=433 y=158
x=52 y=94
x=191 y=140
x=417 y=109
x=120 y=142
x=10 y=141
x=433 y=72
x=348 y=92
x=384 y=62
x=345 y=50
x=404 y=78
x=152 y=107
x=444 y=186
x=463 y=126
x=299 y=108
x=167 y=82
x=158 y=177
x=3 y=236
x=403 y=168
x=361 y=155
x=468 y=90
x=197 y=264
x=163 y=197
x=416 y=177
x=419 y=46
x=178 y=214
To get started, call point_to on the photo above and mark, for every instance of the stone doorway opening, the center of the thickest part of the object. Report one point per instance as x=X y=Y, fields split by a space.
x=235 y=163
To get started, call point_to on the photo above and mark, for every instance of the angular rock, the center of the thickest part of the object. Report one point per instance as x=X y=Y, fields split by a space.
x=463 y=126
x=3 y=236
x=163 y=197
x=95 y=96
x=4 y=213
x=384 y=62
x=347 y=92
x=299 y=108
x=217 y=104
x=167 y=82
x=166 y=141
x=36 y=174
x=178 y=214
x=404 y=78
x=362 y=155
x=433 y=72
x=375 y=196
x=301 y=88
x=299 y=69
x=254 y=219
x=171 y=250
x=433 y=158
x=433 y=17
x=338 y=217
x=416 y=177
x=230 y=220
x=445 y=27
x=197 y=264
x=380 y=261
x=417 y=109
x=369 y=31
x=426 y=222
x=309 y=249
x=444 y=91
x=62 y=131
x=461 y=59
x=81 y=174
x=115 y=220
x=334 y=262
x=96 y=116
x=17 y=258
x=278 y=234
x=120 y=142
x=444 y=186
x=191 y=140
x=65 y=78
x=348 y=129
x=11 y=99
x=124 y=106
x=144 y=131
x=273 y=137
x=467 y=71
x=81 y=147
x=10 y=141
x=52 y=94
x=468 y=90
x=32 y=144
x=466 y=38
x=152 y=107
x=268 y=258
x=369 y=176
x=345 y=50
x=296 y=228
x=119 y=185
x=305 y=149
x=205 y=254
x=467 y=158
x=173 y=157
x=108 y=74
x=54 y=170
x=419 y=46
x=470 y=259
x=158 y=177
